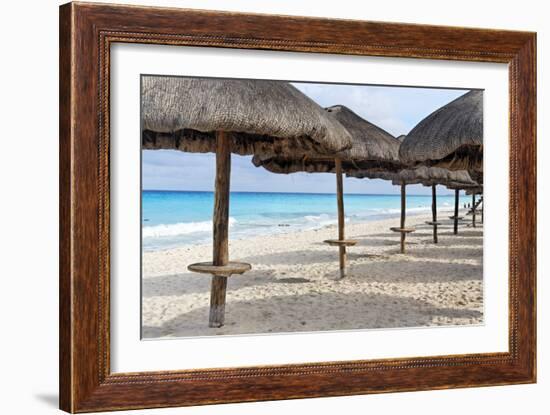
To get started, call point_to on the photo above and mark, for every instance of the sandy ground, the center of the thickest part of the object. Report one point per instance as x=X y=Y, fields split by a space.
x=293 y=284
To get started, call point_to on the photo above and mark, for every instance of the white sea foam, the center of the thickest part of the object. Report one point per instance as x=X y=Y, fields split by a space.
x=317 y=218
x=389 y=211
x=179 y=229
x=319 y=221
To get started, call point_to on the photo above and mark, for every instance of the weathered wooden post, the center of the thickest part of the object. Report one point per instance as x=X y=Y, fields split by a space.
x=221 y=229
x=341 y=242
x=455 y=229
x=473 y=209
x=434 y=212
x=401 y=229
x=434 y=221
x=220 y=268
x=403 y=209
x=341 y=216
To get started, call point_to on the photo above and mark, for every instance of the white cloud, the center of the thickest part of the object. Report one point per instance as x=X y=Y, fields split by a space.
x=395 y=109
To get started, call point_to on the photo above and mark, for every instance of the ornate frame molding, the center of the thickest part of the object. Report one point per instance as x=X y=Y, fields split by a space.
x=86 y=34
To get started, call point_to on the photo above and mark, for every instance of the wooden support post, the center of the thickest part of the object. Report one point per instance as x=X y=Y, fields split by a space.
x=434 y=212
x=341 y=217
x=221 y=229
x=473 y=210
x=482 y=208
x=218 y=288
x=455 y=230
x=403 y=208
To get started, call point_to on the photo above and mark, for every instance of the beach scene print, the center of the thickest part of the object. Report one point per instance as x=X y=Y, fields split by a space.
x=283 y=207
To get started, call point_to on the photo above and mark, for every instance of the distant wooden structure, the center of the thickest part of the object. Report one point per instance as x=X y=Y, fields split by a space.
x=456 y=218
x=457 y=187
x=475 y=203
x=432 y=176
x=372 y=148
x=473 y=210
x=402 y=229
x=450 y=137
x=427 y=176
x=434 y=223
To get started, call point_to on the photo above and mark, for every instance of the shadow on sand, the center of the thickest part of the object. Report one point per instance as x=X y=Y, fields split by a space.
x=381 y=268
x=414 y=272
x=193 y=283
x=313 y=312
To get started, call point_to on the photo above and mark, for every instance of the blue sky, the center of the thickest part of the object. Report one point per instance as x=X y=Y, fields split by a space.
x=395 y=109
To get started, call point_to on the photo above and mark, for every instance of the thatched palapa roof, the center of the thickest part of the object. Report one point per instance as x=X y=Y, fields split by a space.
x=450 y=137
x=475 y=190
x=477 y=175
x=433 y=175
x=262 y=117
x=420 y=175
x=372 y=174
x=463 y=186
x=372 y=148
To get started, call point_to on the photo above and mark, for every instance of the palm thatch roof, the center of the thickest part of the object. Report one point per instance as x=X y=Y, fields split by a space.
x=475 y=190
x=373 y=174
x=372 y=148
x=476 y=175
x=450 y=137
x=262 y=117
x=369 y=142
x=433 y=175
x=421 y=175
x=462 y=186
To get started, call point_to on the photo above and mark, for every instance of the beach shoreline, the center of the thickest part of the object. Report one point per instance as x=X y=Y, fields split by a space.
x=173 y=219
x=286 y=229
x=293 y=284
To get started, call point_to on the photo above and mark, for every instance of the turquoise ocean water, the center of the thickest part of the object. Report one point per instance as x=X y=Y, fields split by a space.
x=175 y=218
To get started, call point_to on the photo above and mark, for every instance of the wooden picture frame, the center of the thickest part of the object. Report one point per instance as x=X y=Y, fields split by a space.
x=86 y=33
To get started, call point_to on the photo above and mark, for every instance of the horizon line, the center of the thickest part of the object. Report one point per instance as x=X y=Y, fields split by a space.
x=298 y=193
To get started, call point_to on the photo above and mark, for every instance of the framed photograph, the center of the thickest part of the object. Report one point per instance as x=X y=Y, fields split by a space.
x=260 y=207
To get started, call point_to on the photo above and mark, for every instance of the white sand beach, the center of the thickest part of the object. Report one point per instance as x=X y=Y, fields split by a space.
x=293 y=283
